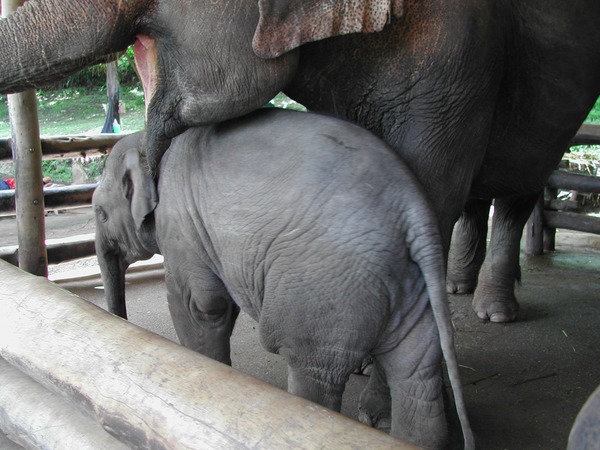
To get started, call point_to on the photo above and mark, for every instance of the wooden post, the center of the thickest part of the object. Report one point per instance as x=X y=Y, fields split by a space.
x=549 y=233
x=27 y=154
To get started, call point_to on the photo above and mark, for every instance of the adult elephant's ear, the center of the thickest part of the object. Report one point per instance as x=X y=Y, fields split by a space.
x=287 y=24
x=139 y=188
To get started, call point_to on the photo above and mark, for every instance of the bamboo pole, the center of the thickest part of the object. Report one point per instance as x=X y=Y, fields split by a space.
x=27 y=153
x=150 y=392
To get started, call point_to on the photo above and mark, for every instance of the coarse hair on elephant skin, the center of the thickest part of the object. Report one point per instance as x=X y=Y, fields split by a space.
x=317 y=230
x=472 y=94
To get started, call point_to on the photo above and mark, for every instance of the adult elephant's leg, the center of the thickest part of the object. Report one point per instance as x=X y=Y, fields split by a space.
x=494 y=297
x=203 y=315
x=467 y=250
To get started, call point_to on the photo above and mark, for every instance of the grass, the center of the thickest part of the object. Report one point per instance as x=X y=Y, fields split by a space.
x=78 y=110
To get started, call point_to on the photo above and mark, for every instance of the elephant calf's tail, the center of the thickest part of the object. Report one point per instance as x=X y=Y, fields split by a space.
x=426 y=251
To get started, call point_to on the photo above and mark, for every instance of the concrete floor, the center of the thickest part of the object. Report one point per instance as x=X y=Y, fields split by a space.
x=524 y=381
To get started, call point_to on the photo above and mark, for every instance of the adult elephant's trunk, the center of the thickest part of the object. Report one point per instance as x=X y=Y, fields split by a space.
x=113 y=267
x=46 y=40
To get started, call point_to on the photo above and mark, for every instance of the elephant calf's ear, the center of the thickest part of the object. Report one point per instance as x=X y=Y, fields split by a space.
x=287 y=24
x=141 y=190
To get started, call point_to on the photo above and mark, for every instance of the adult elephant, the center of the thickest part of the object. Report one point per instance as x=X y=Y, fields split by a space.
x=479 y=97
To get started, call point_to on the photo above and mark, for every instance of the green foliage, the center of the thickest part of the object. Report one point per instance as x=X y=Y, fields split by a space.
x=594 y=115
x=284 y=102
x=94 y=166
x=96 y=75
x=60 y=170
x=79 y=110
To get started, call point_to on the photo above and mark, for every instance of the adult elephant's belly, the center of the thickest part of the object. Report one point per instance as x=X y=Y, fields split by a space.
x=520 y=160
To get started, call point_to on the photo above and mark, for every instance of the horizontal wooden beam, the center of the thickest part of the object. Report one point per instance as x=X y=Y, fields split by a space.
x=54 y=197
x=34 y=417
x=574 y=182
x=572 y=221
x=58 y=250
x=150 y=392
x=67 y=146
x=8 y=444
x=587 y=135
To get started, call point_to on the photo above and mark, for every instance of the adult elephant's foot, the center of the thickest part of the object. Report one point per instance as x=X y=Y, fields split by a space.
x=460 y=285
x=468 y=247
x=463 y=271
x=496 y=307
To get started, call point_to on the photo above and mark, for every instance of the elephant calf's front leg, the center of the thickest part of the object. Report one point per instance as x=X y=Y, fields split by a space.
x=204 y=319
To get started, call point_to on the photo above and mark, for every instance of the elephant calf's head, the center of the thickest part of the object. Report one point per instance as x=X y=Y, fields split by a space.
x=124 y=202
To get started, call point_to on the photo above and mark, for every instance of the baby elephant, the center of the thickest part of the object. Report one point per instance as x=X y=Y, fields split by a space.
x=318 y=231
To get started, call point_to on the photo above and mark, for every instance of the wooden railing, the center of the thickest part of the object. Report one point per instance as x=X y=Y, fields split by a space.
x=551 y=212
x=74 y=376
x=548 y=216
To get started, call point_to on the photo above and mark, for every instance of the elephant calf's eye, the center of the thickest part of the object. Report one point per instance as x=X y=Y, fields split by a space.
x=101 y=214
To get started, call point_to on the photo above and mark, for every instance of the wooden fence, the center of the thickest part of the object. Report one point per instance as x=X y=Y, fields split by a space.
x=548 y=215
x=67 y=146
x=551 y=212
x=59 y=197
x=74 y=376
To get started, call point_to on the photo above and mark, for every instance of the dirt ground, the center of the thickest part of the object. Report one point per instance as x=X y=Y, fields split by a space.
x=524 y=382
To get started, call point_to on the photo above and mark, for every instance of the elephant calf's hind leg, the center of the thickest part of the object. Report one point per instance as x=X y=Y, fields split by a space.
x=319 y=385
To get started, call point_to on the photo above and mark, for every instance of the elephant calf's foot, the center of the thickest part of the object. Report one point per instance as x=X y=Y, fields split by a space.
x=495 y=308
x=381 y=422
x=365 y=368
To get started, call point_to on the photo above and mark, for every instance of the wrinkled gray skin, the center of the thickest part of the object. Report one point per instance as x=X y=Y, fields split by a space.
x=585 y=433
x=479 y=97
x=317 y=230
